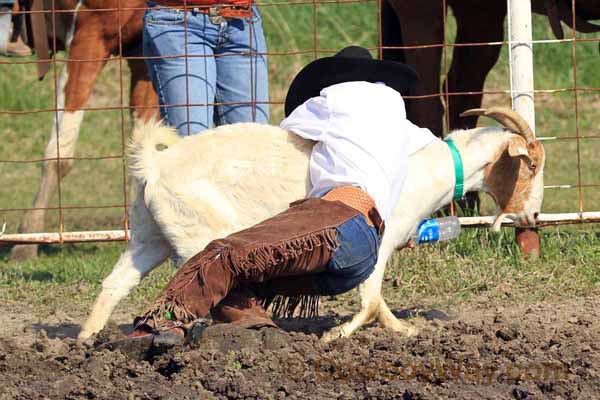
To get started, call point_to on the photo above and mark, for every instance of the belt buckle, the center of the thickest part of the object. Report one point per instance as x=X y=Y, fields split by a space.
x=214 y=16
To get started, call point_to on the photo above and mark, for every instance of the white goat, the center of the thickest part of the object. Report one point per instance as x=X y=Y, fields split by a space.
x=194 y=189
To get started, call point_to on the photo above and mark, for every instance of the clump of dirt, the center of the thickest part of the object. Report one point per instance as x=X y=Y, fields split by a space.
x=538 y=351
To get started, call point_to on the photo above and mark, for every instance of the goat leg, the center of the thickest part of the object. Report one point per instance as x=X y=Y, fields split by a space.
x=147 y=249
x=389 y=321
x=372 y=304
x=132 y=266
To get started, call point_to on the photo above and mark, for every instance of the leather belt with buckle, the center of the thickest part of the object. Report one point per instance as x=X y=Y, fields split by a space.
x=216 y=13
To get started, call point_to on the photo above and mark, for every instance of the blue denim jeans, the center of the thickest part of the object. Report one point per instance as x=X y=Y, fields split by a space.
x=5 y=20
x=222 y=67
x=353 y=260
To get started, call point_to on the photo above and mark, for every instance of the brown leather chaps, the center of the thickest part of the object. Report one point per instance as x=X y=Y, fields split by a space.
x=237 y=277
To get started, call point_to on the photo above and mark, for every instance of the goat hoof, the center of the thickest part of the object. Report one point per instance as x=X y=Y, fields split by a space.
x=333 y=334
x=403 y=328
x=84 y=335
x=23 y=252
x=410 y=331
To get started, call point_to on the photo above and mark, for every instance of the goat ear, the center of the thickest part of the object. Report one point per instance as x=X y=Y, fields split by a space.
x=517 y=147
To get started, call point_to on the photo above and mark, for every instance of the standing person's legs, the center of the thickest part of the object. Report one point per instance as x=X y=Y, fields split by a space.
x=5 y=20
x=181 y=80
x=242 y=74
x=11 y=44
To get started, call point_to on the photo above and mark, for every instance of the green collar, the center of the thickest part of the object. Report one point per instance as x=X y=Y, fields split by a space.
x=459 y=172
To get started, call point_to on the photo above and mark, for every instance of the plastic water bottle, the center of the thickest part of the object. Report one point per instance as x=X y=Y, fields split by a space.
x=437 y=229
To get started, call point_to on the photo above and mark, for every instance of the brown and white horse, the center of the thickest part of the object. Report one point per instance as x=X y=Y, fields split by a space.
x=91 y=32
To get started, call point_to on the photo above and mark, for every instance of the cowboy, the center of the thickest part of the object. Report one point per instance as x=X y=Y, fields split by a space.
x=351 y=105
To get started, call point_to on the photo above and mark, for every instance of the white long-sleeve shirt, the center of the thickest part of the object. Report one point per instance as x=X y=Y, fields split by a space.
x=364 y=140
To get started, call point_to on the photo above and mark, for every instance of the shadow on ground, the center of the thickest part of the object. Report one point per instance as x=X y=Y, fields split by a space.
x=71 y=330
x=316 y=326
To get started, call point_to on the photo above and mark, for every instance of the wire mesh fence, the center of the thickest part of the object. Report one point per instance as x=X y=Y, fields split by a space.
x=101 y=75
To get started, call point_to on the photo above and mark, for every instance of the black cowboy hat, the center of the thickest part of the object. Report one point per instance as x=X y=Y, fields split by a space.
x=353 y=63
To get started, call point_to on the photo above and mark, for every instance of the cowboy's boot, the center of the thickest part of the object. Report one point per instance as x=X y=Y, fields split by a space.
x=242 y=307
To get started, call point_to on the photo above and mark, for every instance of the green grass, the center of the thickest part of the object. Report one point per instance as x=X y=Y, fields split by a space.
x=72 y=272
x=478 y=262
x=481 y=262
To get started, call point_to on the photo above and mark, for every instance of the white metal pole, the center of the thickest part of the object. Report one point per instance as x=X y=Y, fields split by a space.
x=120 y=235
x=521 y=89
x=521 y=59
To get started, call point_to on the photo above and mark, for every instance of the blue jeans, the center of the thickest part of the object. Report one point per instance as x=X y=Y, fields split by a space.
x=5 y=21
x=222 y=67
x=353 y=260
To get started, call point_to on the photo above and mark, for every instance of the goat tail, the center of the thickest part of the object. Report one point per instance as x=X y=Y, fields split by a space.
x=149 y=138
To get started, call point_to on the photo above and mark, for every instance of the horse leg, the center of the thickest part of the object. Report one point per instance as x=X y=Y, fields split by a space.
x=391 y=33
x=75 y=87
x=475 y=23
x=143 y=101
x=422 y=24
x=471 y=64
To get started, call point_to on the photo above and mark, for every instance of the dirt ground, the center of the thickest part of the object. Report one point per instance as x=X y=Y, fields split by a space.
x=545 y=350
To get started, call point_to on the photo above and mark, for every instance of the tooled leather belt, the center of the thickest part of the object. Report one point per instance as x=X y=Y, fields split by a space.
x=359 y=200
x=216 y=10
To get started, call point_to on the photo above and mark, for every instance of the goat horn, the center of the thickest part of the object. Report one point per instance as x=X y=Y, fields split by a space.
x=507 y=117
